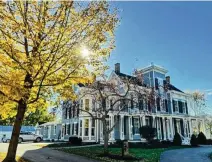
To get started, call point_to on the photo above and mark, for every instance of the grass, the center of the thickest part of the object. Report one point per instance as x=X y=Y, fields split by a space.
x=19 y=159
x=149 y=155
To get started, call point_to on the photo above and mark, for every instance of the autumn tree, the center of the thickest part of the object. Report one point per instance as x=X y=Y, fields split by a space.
x=199 y=101
x=41 y=51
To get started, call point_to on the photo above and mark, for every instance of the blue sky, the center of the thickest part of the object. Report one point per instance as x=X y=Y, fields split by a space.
x=175 y=35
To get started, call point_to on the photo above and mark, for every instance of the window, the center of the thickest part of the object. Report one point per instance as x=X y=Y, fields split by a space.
x=93 y=105
x=132 y=102
x=55 y=128
x=81 y=104
x=147 y=121
x=87 y=104
x=68 y=129
x=80 y=127
x=86 y=126
x=140 y=103
x=184 y=107
x=93 y=127
x=111 y=103
x=136 y=125
x=176 y=107
x=158 y=103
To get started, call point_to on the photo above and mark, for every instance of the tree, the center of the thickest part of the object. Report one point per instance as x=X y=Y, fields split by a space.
x=148 y=132
x=41 y=46
x=199 y=100
x=111 y=96
x=35 y=113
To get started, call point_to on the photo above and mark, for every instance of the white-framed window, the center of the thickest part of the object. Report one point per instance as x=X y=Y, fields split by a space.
x=184 y=107
x=80 y=128
x=147 y=121
x=136 y=125
x=93 y=105
x=55 y=129
x=176 y=106
x=86 y=127
x=93 y=127
x=87 y=104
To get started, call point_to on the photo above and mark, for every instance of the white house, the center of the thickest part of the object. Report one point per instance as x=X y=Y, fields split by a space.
x=171 y=113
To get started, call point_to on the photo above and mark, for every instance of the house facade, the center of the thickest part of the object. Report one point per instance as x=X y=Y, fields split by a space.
x=171 y=113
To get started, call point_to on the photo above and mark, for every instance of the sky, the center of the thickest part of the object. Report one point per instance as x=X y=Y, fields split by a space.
x=174 y=35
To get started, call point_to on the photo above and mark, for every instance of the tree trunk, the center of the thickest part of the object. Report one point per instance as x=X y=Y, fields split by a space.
x=106 y=151
x=11 y=154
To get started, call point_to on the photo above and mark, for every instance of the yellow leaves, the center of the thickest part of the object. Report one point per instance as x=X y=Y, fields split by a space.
x=45 y=42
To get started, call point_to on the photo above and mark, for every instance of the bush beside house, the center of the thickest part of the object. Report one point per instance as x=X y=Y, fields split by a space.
x=177 y=140
x=148 y=132
x=202 y=139
x=75 y=140
x=194 y=141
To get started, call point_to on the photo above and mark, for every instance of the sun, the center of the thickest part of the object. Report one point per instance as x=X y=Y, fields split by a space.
x=85 y=52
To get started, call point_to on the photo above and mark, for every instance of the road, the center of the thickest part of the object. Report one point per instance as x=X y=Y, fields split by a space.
x=199 y=154
x=35 y=153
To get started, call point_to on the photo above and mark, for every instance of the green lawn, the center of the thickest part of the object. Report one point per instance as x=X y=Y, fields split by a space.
x=149 y=155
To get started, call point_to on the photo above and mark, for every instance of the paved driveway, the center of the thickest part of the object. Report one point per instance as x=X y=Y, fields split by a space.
x=199 y=154
x=36 y=154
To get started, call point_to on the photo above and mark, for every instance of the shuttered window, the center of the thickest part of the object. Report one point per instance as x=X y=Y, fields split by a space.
x=158 y=103
x=156 y=83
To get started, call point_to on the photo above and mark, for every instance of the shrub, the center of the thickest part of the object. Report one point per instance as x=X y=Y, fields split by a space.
x=201 y=139
x=166 y=142
x=148 y=132
x=75 y=140
x=194 y=141
x=177 y=141
x=209 y=141
x=119 y=142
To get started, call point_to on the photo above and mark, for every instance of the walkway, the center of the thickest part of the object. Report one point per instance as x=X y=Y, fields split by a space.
x=199 y=154
x=37 y=154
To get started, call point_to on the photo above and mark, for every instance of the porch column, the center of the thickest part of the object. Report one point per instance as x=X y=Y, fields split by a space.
x=190 y=127
x=130 y=127
x=121 y=128
x=143 y=121
x=89 y=128
x=164 y=128
x=83 y=123
x=203 y=126
x=153 y=122
x=112 y=125
x=96 y=130
x=171 y=128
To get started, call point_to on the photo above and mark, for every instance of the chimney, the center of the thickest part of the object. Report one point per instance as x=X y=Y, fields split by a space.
x=117 y=67
x=168 y=79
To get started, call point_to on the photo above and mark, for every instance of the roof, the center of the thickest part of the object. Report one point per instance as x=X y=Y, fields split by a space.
x=50 y=123
x=171 y=87
x=132 y=78
x=23 y=128
x=153 y=66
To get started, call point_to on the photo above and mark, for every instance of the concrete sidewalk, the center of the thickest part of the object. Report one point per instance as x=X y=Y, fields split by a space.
x=37 y=154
